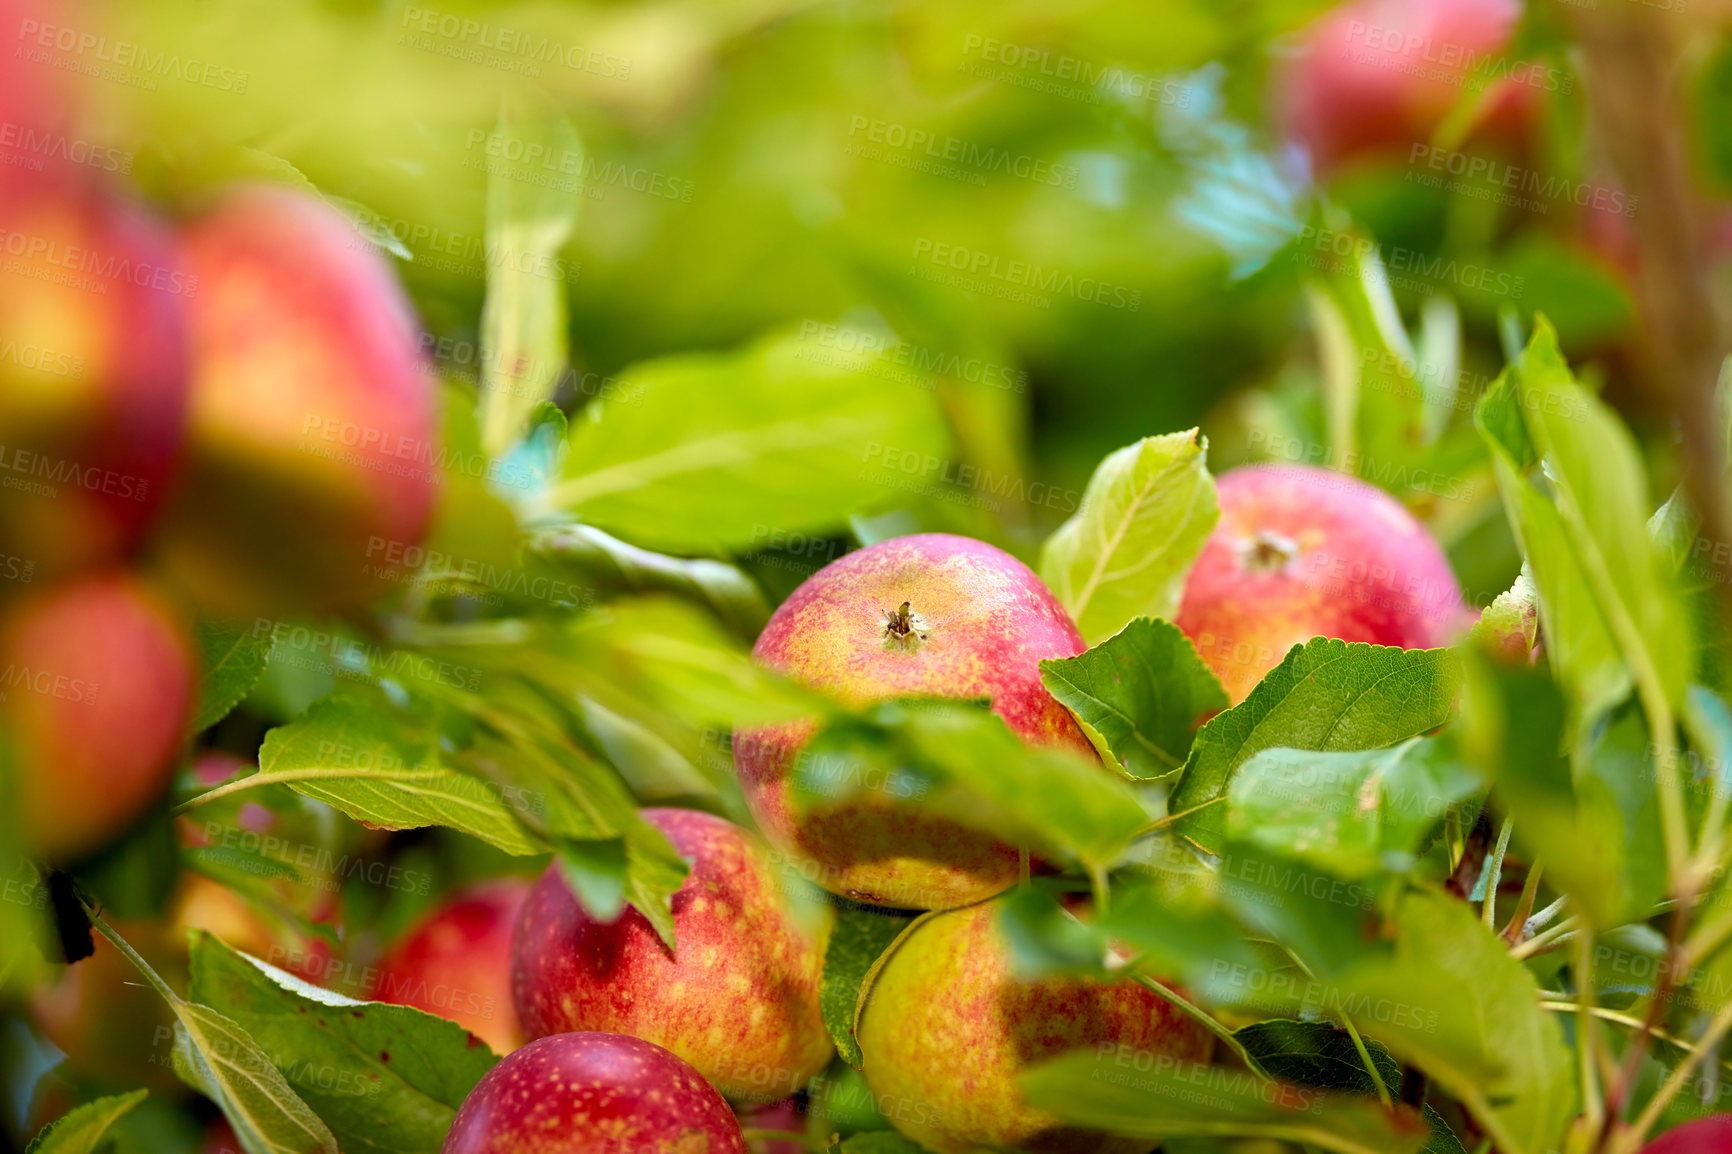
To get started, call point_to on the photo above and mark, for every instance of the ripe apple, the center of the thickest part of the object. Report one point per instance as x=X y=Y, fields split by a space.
x=456 y=963
x=110 y=1024
x=1710 y=1135
x=1378 y=76
x=581 y=1093
x=314 y=454
x=946 y=1029
x=978 y=624
x=93 y=377
x=96 y=684
x=739 y=997
x=1302 y=552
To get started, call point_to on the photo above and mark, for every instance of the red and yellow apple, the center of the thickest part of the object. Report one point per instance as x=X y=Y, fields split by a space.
x=1303 y=552
x=978 y=624
x=738 y=998
x=93 y=377
x=1710 y=1135
x=946 y=1028
x=96 y=686
x=582 y=1093
x=314 y=448
x=456 y=963
x=1379 y=76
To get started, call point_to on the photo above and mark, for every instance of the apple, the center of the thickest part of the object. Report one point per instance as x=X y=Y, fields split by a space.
x=93 y=377
x=946 y=1028
x=314 y=457
x=1302 y=552
x=739 y=997
x=978 y=624
x=109 y=1023
x=456 y=963
x=588 y=1092
x=1710 y=1135
x=97 y=680
x=1379 y=76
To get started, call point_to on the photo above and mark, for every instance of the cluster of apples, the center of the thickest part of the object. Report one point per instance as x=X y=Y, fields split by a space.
x=946 y=1025
x=211 y=415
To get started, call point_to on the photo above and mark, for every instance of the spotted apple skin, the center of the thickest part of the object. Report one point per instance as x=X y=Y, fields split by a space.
x=739 y=998
x=980 y=623
x=591 y=1093
x=456 y=963
x=1710 y=1135
x=947 y=1029
x=1302 y=552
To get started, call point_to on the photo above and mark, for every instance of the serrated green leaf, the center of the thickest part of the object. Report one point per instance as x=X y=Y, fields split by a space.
x=383 y=1077
x=233 y=658
x=1140 y=694
x=1606 y=601
x=1322 y=1055
x=610 y=566
x=218 y=1058
x=1145 y=516
x=1326 y=695
x=82 y=1129
x=961 y=761
x=858 y=940
x=1469 y=1016
x=1352 y=813
x=523 y=319
x=1138 y=1096
x=375 y=769
x=703 y=451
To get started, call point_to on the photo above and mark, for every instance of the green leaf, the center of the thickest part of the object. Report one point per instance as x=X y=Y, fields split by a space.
x=1606 y=600
x=81 y=1130
x=610 y=566
x=858 y=940
x=1139 y=695
x=374 y=767
x=1352 y=813
x=1145 y=515
x=384 y=1077
x=1327 y=695
x=1450 y=1000
x=881 y=1142
x=218 y=1058
x=1153 y=1097
x=1511 y=622
x=233 y=658
x=1322 y=1055
x=705 y=451
x=523 y=319
x=961 y=761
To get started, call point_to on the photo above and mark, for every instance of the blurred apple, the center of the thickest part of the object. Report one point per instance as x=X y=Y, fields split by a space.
x=1710 y=1135
x=456 y=963
x=93 y=376
x=314 y=456
x=98 y=684
x=110 y=1024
